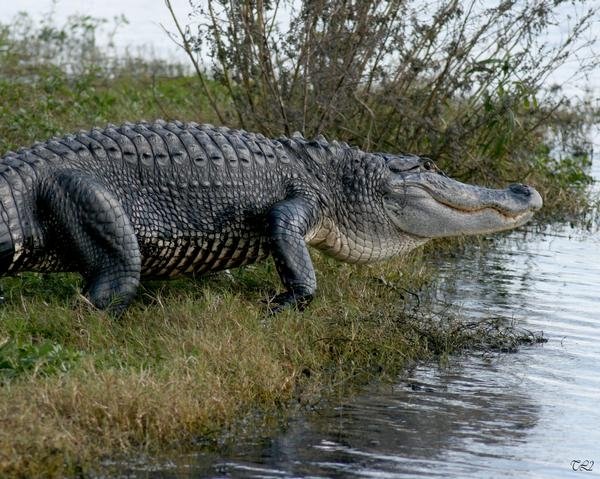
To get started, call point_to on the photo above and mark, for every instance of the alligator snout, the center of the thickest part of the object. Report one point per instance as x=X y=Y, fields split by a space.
x=515 y=199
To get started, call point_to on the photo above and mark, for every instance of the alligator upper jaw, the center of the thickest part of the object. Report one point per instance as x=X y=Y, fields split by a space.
x=512 y=210
x=512 y=202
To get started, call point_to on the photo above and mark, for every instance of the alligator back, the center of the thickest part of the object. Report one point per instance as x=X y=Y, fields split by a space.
x=195 y=195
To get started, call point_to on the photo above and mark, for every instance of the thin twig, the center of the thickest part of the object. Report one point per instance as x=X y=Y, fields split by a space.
x=185 y=44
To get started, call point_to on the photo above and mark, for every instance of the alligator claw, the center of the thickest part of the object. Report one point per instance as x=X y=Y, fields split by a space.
x=289 y=300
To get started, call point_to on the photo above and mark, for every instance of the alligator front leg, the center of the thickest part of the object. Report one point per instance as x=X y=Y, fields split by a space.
x=89 y=230
x=288 y=223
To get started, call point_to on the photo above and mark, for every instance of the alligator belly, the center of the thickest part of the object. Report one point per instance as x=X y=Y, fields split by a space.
x=170 y=258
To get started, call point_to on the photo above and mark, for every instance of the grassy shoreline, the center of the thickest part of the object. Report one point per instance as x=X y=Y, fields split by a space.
x=191 y=359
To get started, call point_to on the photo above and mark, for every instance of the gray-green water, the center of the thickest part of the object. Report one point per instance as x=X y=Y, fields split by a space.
x=526 y=415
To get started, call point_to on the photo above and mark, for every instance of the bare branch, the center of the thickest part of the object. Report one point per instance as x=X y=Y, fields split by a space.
x=187 y=48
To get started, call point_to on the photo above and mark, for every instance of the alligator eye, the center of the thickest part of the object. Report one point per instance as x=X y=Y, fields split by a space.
x=429 y=165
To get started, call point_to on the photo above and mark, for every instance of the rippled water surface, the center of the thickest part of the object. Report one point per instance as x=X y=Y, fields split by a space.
x=528 y=414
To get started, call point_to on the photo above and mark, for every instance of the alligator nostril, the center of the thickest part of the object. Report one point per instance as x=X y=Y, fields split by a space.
x=520 y=189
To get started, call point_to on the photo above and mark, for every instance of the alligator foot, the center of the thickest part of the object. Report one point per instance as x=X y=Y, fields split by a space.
x=289 y=300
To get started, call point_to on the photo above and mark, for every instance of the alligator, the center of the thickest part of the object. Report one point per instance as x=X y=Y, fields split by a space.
x=163 y=199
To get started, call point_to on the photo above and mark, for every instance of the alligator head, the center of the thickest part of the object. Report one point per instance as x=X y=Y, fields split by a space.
x=395 y=203
x=421 y=201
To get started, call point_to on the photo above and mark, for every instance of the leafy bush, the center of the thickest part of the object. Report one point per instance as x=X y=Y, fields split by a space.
x=18 y=358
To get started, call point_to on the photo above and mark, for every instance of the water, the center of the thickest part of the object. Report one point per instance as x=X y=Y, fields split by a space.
x=523 y=415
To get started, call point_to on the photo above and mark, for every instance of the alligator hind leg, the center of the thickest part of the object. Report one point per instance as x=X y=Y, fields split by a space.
x=90 y=231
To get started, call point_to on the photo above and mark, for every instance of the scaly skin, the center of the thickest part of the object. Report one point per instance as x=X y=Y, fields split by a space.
x=165 y=199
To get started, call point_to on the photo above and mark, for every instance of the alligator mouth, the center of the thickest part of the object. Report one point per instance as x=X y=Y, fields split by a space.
x=507 y=203
x=509 y=215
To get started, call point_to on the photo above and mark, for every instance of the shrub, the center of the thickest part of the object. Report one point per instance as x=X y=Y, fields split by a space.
x=462 y=82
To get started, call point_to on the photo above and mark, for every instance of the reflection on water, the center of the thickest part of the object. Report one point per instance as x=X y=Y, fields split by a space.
x=527 y=414
x=429 y=425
